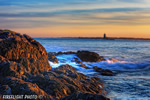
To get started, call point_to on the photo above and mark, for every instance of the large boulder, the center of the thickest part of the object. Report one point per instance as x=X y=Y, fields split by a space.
x=88 y=56
x=24 y=50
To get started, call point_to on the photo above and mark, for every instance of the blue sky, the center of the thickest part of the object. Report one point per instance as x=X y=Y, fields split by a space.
x=26 y=14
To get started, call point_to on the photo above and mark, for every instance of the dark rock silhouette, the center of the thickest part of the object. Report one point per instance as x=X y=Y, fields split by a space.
x=105 y=72
x=67 y=52
x=88 y=56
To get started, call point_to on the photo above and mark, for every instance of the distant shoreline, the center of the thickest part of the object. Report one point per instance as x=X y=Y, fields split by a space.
x=115 y=38
x=108 y=38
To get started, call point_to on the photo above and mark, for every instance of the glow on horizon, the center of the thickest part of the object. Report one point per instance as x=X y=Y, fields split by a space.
x=78 y=31
x=80 y=18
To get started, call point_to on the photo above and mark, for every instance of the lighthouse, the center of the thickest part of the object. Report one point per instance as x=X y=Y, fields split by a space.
x=104 y=36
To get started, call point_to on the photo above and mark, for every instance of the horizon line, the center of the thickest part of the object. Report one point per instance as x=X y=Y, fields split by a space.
x=81 y=37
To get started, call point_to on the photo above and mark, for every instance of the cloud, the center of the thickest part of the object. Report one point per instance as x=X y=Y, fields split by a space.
x=71 y=12
x=22 y=13
x=115 y=17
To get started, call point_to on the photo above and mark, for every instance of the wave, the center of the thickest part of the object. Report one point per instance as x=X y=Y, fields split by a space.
x=120 y=65
x=110 y=63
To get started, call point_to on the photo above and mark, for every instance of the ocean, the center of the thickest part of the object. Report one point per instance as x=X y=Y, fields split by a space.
x=132 y=81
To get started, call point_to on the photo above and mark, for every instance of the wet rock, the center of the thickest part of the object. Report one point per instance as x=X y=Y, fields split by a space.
x=67 y=52
x=77 y=61
x=66 y=68
x=52 y=57
x=88 y=56
x=25 y=51
x=84 y=96
x=84 y=66
x=105 y=72
x=97 y=69
x=81 y=64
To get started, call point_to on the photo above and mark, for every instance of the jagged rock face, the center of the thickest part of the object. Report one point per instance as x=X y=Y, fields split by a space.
x=64 y=81
x=24 y=50
x=88 y=56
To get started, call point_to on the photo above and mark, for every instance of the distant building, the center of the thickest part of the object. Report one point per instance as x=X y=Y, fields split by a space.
x=104 y=36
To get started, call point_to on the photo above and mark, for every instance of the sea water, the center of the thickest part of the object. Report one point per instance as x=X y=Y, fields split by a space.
x=132 y=81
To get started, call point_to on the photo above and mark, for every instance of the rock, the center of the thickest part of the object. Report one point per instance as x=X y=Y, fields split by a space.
x=10 y=68
x=67 y=52
x=19 y=87
x=84 y=66
x=52 y=58
x=105 y=72
x=21 y=57
x=25 y=69
x=88 y=56
x=81 y=64
x=97 y=69
x=25 y=51
x=66 y=68
x=5 y=89
x=65 y=80
x=85 y=96
x=77 y=61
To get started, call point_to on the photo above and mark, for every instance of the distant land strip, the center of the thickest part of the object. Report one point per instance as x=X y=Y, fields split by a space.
x=109 y=38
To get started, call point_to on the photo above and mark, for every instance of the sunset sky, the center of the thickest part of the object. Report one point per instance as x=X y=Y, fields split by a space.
x=74 y=18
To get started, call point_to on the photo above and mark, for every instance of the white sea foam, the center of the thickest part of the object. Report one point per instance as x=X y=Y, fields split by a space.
x=66 y=59
x=110 y=63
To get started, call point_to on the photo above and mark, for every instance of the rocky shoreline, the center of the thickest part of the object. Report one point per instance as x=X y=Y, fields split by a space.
x=84 y=56
x=25 y=70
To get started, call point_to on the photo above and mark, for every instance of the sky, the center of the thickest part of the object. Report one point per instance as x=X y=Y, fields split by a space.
x=77 y=18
